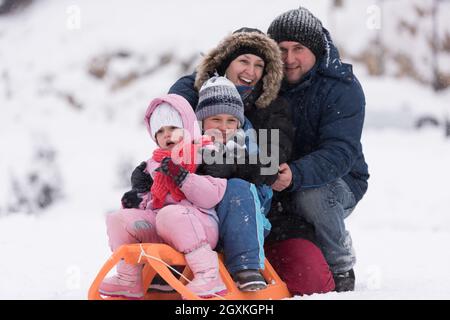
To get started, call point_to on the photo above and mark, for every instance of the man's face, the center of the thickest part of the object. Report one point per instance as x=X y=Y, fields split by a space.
x=297 y=59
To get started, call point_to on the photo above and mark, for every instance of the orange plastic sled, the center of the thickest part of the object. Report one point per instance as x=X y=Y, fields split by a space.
x=148 y=254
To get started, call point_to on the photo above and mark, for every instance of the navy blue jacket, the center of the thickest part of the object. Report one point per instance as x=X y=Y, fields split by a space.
x=328 y=113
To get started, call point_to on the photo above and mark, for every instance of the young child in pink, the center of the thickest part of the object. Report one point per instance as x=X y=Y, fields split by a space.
x=177 y=210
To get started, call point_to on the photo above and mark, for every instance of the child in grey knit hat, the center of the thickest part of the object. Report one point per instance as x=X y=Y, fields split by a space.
x=219 y=98
x=221 y=110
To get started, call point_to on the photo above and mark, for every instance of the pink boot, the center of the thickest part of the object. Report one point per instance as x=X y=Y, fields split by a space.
x=126 y=283
x=204 y=264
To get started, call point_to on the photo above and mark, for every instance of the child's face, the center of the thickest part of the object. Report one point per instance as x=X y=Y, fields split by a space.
x=225 y=123
x=168 y=136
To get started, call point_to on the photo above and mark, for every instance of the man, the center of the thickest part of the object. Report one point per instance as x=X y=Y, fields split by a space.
x=328 y=174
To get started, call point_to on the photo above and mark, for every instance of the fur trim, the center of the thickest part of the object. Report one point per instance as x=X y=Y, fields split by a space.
x=273 y=69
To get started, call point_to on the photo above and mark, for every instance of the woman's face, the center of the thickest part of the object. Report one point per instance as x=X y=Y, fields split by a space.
x=245 y=70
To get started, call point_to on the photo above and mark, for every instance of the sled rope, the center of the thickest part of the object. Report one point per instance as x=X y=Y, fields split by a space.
x=143 y=253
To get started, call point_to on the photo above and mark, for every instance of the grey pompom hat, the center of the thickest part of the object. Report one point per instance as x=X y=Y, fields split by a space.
x=219 y=95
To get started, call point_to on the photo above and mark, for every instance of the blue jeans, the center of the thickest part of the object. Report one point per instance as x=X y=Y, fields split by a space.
x=326 y=208
x=243 y=225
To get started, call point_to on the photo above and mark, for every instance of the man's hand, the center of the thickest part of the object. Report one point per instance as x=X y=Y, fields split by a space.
x=284 y=178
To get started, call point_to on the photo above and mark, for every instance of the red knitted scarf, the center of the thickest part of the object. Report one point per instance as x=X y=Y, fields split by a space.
x=162 y=184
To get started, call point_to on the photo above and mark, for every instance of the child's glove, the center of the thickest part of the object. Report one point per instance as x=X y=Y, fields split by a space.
x=141 y=180
x=131 y=199
x=172 y=170
x=235 y=146
x=217 y=170
x=209 y=167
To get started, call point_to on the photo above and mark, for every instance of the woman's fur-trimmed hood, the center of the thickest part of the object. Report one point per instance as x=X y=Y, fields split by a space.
x=273 y=70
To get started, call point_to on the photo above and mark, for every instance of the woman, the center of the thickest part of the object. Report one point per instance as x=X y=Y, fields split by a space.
x=252 y=61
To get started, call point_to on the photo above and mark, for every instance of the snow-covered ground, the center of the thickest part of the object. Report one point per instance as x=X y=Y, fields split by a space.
x=400 y=230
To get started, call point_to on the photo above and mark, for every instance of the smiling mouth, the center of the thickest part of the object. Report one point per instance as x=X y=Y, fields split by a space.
x=245 y=81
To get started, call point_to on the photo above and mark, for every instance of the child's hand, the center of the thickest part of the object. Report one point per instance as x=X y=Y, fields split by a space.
x=172 y=170
x=217 y=170
x=131 y=199
x=141 y=180
x=235 y=146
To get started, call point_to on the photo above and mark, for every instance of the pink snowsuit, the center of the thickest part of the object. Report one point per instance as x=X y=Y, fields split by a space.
x=190 y=225
x=185 y=225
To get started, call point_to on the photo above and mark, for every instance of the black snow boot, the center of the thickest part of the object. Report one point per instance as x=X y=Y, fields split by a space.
x=344 y=281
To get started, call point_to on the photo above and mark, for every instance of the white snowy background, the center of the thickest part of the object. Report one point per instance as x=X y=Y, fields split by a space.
x=76 y=78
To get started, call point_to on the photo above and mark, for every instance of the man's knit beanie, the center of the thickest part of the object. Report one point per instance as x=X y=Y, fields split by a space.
x=299 y=25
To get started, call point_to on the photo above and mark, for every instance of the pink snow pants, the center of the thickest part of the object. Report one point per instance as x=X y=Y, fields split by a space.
x=184 y=228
